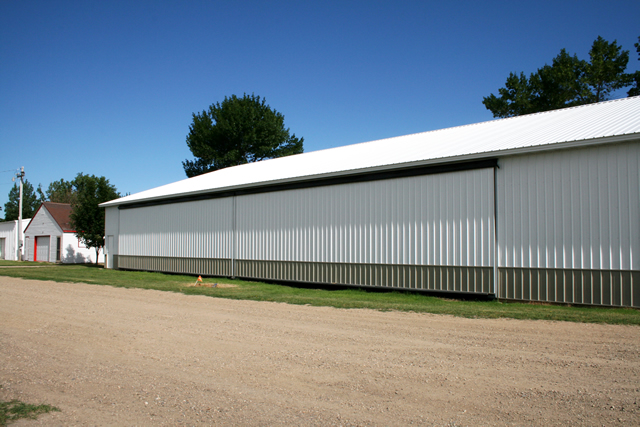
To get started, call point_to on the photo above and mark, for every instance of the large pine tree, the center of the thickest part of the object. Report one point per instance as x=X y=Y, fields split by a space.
x=30 y=202
x=237 y=131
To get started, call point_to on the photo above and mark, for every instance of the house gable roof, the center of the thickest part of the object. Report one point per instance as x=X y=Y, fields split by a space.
x=60 y=213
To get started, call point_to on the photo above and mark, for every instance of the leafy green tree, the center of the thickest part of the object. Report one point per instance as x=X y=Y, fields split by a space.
x=635 y=77
x=567 y=82
x=237 y=131
x=61 y=191
x=87 y=218
x=30 y=202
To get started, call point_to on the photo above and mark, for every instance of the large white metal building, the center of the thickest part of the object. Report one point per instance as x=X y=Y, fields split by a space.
x=543 y=207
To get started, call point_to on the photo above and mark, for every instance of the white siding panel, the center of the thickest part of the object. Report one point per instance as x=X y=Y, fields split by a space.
x=72 y=250
x=443 y=219
x=576 y=209
x=200 y=229
x=9 y=232
x=112 y=233
x=112 y=224
x=42 y=224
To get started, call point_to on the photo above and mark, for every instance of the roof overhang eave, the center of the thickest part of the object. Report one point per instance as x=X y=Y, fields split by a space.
x=388 y=167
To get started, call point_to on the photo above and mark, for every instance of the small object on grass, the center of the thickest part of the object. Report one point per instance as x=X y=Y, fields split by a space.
x=199 y=279
x=215 y=285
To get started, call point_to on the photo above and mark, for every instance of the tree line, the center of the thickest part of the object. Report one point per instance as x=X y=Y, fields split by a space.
x=567 y=82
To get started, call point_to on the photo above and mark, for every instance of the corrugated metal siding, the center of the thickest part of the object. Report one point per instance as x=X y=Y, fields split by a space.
x=592 y=287
x=201 y=229
x=200 y=266
x=574 y=209
x=443 y=219
x=408 y=277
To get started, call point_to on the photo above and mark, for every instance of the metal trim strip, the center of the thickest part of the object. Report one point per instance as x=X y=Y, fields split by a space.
x=181 y=265
x=321 y=182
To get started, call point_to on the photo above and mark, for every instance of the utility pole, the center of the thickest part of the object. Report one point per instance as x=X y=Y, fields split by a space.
x=20 y=236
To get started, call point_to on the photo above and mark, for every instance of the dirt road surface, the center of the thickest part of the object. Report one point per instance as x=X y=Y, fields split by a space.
x=110 y=356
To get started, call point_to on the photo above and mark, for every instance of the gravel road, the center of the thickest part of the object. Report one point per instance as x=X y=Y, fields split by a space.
x=111 y=356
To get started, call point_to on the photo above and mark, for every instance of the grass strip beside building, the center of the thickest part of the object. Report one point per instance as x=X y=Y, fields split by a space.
x=338 y=298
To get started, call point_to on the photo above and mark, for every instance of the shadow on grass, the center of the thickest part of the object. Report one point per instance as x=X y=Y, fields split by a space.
x=454 y=296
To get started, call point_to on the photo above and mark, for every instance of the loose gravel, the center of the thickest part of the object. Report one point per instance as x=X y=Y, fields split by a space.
x=113 y=356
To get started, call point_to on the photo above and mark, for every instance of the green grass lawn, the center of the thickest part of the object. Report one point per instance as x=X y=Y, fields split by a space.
x=339 y=298
x=4 y=263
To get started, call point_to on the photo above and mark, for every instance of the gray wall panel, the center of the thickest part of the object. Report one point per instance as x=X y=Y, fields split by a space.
x=196 y=266
x=444 y=219
x=592 y=287
x=183 y=230
x=574 y=209
x=417 y=277
x=112 y=235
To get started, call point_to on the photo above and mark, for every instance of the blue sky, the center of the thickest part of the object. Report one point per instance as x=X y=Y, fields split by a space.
x=109 y=88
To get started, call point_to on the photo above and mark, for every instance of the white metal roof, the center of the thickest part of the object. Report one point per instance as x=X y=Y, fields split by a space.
x=610 y=121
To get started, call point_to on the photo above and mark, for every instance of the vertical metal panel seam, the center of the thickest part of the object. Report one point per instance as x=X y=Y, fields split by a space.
x=233 y=237
x=496 y=249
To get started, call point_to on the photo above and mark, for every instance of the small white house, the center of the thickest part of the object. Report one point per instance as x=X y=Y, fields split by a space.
x=9 y=239
x=50 y=238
